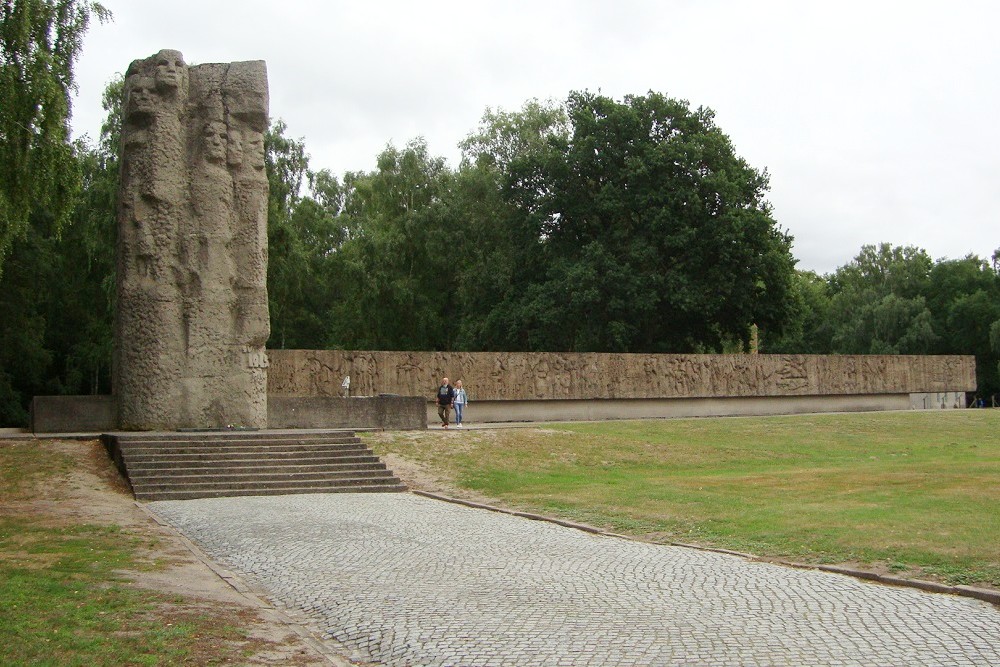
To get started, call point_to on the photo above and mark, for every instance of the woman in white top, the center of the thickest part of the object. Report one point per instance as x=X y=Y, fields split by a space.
x=459 y=403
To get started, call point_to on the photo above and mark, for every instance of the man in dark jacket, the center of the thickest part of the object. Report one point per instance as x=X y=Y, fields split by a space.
x=445 y=396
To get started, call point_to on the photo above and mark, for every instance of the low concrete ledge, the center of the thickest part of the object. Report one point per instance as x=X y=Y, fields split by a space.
x=68 y=414
x=395 y=413
x=661 y=408
x=73 y=414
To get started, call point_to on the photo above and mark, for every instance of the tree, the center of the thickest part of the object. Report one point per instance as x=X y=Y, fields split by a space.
x=640 y=230
x=57 y=290
x=879 y=305
x=40 y=41
x=306 y=230
x=79 y=320
x=287 y=165
x=809 y=328
x=396 y=273
x=964 y=299
x=498 y=193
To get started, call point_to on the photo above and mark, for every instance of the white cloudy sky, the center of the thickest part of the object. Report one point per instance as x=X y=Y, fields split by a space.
x=877 y=120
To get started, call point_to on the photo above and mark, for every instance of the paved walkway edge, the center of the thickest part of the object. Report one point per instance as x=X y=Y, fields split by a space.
x=258 y=598
x=983 y=594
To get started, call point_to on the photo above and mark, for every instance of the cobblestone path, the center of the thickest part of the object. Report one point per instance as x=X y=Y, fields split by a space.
x=404 y=580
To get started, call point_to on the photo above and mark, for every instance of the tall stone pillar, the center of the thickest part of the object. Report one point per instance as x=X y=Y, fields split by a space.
x=192 y=316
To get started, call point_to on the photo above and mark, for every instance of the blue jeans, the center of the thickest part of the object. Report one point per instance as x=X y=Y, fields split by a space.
x=459 y=408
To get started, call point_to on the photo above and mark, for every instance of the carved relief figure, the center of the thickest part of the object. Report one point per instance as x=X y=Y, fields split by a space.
x=171 y=72
x=148 y=319
x=190 y=344
x=141 y=100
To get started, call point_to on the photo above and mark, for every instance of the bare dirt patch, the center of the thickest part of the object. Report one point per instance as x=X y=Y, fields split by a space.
x=91 y=491
x=419 y=477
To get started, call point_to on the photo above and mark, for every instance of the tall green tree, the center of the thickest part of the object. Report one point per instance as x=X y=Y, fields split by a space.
x=287 y=166
x=499 y=193
x=305 y=233
x=397 y=275
x=56 y=292
x=640 y=230
x=80 y=313
x=963 y=296
x=40 y=41
x=809 y=327
x=879 y=303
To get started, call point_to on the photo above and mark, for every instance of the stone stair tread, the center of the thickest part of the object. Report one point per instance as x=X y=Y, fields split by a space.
x=243 y=446
x=244 y=456
x=262 y=476
x=188 y=495
x=240 y=444
x=168 y=467
x=233 y=436
x=199 y=465
x=267 y=484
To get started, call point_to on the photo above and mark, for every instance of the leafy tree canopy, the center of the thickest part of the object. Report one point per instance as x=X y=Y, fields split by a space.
x=40 y=41
x=638 y=229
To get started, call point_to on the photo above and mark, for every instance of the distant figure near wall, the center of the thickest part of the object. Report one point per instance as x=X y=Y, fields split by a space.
x=192 y=315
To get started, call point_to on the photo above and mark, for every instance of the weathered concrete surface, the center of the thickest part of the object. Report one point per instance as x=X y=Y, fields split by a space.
x=66 y=414
x=518 y=376
x=400 y=580
x=192 y=316
x=305 y=388
x=664 y=408
x=394 y=413
x=73 y=414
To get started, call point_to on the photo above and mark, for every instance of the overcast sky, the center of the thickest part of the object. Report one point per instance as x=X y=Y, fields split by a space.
x=877 y=120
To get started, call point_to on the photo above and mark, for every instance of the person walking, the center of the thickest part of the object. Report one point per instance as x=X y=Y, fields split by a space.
x=460 y=401
x=445 y=397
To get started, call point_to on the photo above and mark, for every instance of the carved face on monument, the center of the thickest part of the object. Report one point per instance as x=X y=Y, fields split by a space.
x=234 y=149
x=214 y=138
x=254 y=150
x=171 y=71
x=141 y=97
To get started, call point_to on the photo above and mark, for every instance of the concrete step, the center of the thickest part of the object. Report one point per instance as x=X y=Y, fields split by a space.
x=358 y=456
x=191 y=495
x=278 y=484
x=239 y=443
x=207 y=465
x=287 y=466
x=263 y=477
x=317 y=448
x=232 y=436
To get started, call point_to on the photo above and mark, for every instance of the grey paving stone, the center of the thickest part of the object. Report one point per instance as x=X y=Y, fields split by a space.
x=405 y=580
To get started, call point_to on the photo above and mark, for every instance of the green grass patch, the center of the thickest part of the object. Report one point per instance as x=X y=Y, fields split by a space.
x=63 y=604
x=63 y=598
x=913 y=492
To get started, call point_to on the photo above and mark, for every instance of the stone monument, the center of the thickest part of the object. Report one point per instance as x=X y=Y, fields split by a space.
x=192 y=314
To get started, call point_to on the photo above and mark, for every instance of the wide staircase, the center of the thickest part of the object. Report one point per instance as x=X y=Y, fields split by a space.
x=210 y=464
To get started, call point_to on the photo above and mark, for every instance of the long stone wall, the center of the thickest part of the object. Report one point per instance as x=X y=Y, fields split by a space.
x=519 y=376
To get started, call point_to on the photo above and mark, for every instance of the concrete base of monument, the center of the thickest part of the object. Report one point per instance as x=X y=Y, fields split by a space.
x=69 y=414
x=72 y=414
x=596 y=410
x=394 y=413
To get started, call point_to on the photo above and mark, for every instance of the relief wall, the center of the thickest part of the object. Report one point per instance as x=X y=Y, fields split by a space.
x=503 y=376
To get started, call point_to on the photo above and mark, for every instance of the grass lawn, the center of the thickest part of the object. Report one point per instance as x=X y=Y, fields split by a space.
x=916 y=493
x=65 y=595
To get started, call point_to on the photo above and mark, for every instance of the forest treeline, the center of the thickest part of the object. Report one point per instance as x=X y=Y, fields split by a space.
x=591 y=224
